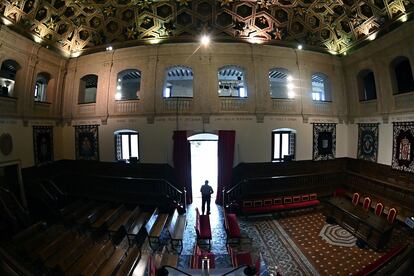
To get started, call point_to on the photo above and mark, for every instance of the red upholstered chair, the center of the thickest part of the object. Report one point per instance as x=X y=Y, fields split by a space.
x=355 y=199
x=379 y=208
x=367 y=203
x=392 y=214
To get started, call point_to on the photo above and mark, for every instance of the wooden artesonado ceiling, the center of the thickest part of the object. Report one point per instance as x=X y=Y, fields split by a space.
x=75 y=26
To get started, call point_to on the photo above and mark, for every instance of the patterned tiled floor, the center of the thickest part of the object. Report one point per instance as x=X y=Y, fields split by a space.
x=286 y=242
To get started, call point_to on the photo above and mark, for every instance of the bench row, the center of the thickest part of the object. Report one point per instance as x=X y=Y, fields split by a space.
x=279 y=203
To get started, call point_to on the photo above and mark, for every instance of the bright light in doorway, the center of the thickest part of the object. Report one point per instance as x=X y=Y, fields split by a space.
x=205 y=40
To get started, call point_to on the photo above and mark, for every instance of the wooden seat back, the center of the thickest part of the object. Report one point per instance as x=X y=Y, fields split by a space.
x=173 y=223
x=150 y=223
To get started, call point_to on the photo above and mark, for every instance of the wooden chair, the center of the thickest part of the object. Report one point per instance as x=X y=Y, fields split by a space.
x=355 y=199
x=379 y=208
x=367 y=203
x=392 y=214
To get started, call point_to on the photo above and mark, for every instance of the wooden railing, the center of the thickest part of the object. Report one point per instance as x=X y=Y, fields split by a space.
x=322 y=183
x=149 y=191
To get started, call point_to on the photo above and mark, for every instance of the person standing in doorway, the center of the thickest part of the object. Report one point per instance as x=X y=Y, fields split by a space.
x=206 y=192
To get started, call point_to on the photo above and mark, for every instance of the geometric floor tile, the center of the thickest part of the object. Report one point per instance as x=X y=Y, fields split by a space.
x=336 y=235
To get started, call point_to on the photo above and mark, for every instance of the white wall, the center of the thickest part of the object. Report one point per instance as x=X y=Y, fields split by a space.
x=253 y=140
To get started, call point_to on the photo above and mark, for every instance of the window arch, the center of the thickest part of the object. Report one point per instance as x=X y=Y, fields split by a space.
x=402 y=75
x=87 y=89
x=231 y=82
x=40 y=89
x=366 y=85
x=321 y=87
x=283 y=144
x=128 y=85
x=178 y=82
x=280 y=84
x=126 y=145
x=8 y=73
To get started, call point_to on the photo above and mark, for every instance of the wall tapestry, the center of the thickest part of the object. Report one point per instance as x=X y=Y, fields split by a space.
x=43 y=144
x=324 y=141
x=403 y=147
x=86 y=142
x=368 y=142
x=6 y=143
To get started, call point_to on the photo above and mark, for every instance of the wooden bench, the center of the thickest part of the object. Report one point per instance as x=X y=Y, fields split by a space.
x=92 y=215
x=107 y=218
x=122 y=220
x=160 y=260
x=68 y=254
x=232 y=228
x=37 y=242
x=141 y=266
x=29 y=233
x=175 y=230
x=50 y=248
x=154 y=228
x=70 y=216
x=165 y=258
x=203 y=229
x=130 y=261
x=82 y=263
x=112 y=263
x=136 y=229
x=65 y=251
x=100 y=258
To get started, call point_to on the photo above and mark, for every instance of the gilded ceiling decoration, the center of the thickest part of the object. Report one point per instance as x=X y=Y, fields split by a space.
x=75 y=26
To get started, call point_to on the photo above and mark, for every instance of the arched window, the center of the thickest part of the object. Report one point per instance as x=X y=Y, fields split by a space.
x=280 y=84
x=126 y=145
x=40 y=88
x=87 y=89
x=366 y=83
x=8 y=72
x=283 y=144
x=128 y=85
x=178 y=82
x=321 y=87
x=402 y=75
x=231 y=82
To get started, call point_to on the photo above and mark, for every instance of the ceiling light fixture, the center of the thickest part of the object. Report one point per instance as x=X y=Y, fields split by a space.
x=291 y=94
x=37 y=39
x=118 y=96
x=289 y=78
x=300 y=47
x=372 y=37
x=404 y=18
x=154 y=41
x=75 y=54
x=255 y=40
x=205 y=40
x=6 y=22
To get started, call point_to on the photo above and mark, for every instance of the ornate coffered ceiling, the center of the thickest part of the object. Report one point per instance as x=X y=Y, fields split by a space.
x=75 y=26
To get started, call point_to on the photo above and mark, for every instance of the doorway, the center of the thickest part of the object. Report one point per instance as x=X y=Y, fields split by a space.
x=204 y=163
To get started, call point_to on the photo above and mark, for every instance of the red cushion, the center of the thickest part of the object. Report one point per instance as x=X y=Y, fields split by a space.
x=243 y=258
x=205 y=230
x=234 y=229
